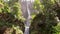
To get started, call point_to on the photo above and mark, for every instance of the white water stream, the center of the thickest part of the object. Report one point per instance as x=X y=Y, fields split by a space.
x=27 y=24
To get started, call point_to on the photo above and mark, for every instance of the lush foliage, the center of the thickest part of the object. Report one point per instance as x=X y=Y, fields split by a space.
x=10 y=14
x=46 y=20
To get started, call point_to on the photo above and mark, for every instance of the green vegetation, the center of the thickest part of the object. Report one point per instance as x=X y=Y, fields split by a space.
x=45 y=21
x=11 y=15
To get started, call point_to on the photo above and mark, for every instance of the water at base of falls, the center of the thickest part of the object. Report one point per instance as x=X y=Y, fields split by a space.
x=26 y=30
x=27 y=25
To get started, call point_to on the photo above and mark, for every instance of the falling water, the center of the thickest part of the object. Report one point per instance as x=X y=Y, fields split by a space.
x=27 y=24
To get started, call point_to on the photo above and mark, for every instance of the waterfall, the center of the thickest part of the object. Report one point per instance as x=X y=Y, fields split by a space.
x=25 y=4
x=27 y=24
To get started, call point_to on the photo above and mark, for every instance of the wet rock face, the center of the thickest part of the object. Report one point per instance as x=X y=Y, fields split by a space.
x=6 y=19
x=24 y=7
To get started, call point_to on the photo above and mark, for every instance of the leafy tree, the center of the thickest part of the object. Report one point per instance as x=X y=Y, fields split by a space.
x=46 y=20
x=10 y=14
